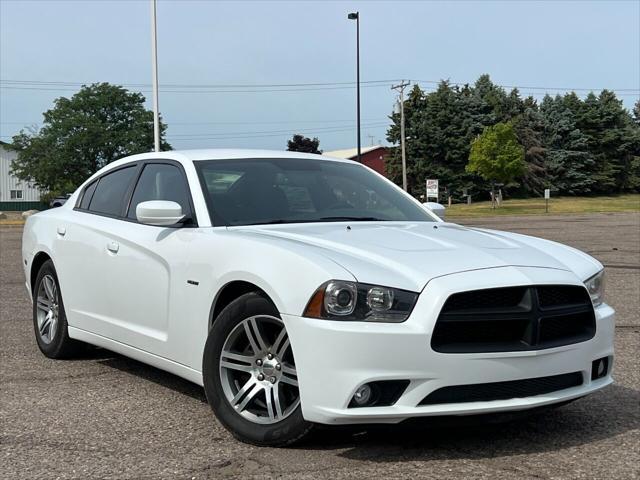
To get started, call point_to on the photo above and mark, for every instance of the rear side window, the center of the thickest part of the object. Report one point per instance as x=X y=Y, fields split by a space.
x=86 y=196
x=110 y=194
x=160 y=181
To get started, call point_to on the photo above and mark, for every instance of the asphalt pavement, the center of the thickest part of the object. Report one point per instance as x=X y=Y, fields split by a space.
x=106 y=416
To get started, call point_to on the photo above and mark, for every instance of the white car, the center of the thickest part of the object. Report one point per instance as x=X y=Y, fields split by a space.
x=301 y=290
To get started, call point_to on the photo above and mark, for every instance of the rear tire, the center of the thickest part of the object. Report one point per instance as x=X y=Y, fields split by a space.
x=49 y=318
x=264 y=369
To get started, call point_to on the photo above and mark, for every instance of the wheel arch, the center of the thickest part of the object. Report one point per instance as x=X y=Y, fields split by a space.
x=36 y=264
x=229 y=292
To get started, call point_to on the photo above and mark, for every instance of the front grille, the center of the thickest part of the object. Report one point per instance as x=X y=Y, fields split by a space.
x=514 y=319
x=485 y=392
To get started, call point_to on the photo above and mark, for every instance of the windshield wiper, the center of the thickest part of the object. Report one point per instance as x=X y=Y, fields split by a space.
x=267 y=222
x=321 y=219
x=347 y=218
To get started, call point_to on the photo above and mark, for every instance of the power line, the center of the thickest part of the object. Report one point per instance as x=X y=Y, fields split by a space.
x=261 y=133
x=168 y=90
x=565 y=89
x=203 y=85
x=621 y=93
x=250 y=87
x=199 y=89
x=277 y=132
x=268 y=122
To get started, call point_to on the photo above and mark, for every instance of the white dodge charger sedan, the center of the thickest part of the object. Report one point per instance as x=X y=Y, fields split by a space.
x=301 y=290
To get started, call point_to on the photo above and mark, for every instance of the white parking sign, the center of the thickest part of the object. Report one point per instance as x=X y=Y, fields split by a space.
x=432 y=188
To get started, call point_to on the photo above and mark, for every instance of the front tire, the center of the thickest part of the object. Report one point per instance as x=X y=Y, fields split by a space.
x=49 y=318
x=249 y=374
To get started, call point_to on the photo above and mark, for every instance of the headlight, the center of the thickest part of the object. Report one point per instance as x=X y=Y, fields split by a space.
x=595 y=286
x=342 y=300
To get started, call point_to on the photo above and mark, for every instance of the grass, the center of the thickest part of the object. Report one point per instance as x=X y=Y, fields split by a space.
x=529 y=206
x=12 y=218
x=11 y=223
x=559 y=205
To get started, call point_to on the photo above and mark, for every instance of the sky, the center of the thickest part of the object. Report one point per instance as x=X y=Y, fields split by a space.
x=221 y=62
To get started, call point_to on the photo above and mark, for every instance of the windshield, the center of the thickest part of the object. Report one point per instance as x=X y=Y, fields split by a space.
x=268 y=191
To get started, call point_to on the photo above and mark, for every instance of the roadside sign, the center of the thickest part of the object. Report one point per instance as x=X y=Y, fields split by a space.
x=547 y=196
x=432 y=188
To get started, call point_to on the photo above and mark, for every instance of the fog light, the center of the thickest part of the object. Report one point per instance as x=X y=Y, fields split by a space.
x=599 y=368
x=362 y=396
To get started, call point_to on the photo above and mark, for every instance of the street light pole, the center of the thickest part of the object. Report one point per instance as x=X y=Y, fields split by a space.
x=400 y=87
x=154 y=62
x=356 y=16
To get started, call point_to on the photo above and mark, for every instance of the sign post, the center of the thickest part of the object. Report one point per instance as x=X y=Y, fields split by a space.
x=547 y=196
x=432 y=189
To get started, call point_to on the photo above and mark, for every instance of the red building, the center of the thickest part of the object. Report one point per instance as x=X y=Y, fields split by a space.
x=373 y=157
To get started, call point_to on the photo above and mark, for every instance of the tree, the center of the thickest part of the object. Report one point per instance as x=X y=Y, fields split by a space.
x=575 y=146
x=612 y=138
x=569 y=161
x=440 y=126
x=529 y=129
x=99 y=124
x=496 y=155
x=300 y=143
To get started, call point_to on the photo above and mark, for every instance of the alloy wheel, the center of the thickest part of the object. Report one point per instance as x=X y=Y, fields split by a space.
x=47 y=309
x=257 y=370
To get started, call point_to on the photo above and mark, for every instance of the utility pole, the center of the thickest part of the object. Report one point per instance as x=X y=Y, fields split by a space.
x=371 y=138
x=154 y=62
x=356 y=16
x=400 y=87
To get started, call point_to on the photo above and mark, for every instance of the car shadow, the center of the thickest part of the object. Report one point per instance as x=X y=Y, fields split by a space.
x=601 y=415
x=155 y=375
x=605 y=414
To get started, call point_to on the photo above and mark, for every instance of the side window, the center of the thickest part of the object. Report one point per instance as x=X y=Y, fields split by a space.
x=160 y=181
x=110 y=193
x=86 y=196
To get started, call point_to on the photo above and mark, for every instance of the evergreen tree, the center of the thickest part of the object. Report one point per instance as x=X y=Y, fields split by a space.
x=611 y=138
x=569 y=162
x=439 y=126
x=529 y=128
x=571 y=145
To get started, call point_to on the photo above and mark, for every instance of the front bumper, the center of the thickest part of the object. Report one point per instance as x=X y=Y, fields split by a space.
x=333 y=358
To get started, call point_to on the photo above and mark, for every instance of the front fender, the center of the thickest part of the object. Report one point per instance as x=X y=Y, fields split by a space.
x=287 y=272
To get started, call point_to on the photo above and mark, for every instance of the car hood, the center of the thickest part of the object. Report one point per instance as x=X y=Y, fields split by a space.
x=409 y=254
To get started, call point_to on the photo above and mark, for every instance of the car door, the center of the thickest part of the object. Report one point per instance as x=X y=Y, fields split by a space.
x=145 y=265
x=81 y=249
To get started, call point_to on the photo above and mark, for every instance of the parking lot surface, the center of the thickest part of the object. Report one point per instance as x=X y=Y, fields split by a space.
x=105 y=416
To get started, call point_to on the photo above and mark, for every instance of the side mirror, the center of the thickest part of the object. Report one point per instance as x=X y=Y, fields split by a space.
x=436 y=208
x=162 y=213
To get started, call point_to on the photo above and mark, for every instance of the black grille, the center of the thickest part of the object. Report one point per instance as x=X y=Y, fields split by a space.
x=514 y=319
x=484 y=392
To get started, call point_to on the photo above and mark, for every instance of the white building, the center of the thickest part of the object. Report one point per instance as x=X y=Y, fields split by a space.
x=14 y=193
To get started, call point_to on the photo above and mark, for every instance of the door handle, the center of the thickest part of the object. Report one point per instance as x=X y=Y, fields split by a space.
x=113 y=247
x=62 y=231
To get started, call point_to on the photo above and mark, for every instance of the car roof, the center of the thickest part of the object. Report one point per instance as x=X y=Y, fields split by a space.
x=186 y=156
x=227 y=154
